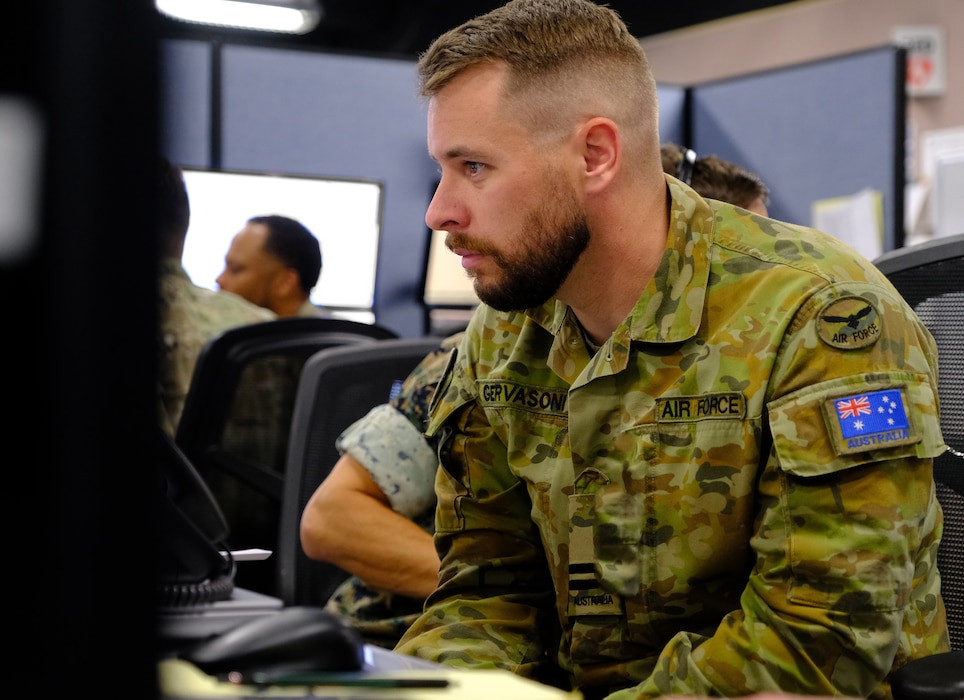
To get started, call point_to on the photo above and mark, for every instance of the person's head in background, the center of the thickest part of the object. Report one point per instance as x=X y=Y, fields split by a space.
x=173 y=210
x=274 y=262
x=715 y=178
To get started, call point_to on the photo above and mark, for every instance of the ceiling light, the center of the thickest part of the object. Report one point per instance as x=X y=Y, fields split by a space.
x=290 y=16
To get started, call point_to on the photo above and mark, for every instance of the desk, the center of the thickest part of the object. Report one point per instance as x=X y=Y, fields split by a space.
x=190 y=622
x=180 y=680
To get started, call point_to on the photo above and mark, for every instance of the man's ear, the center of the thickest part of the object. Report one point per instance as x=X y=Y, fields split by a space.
x=603 y=152
x=287 y=284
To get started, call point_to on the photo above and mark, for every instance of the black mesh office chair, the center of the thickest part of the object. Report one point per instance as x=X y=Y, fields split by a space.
x=237 y=417
x=338 y=386
x=930 y=277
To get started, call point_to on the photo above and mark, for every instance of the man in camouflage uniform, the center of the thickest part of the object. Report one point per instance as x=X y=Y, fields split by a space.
x=189 y=315
x=699 y=461
x=385 y=478
x=375 y=513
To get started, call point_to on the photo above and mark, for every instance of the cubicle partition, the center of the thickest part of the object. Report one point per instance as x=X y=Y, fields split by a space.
x=673 y=116
x=812 y=131
x=187 y=102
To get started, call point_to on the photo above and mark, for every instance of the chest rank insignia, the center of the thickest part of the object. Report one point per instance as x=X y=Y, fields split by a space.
x=849 y=323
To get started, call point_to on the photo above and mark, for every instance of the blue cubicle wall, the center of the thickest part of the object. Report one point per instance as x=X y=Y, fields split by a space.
x=672 y=113
x=186 y=102
x=813 y=131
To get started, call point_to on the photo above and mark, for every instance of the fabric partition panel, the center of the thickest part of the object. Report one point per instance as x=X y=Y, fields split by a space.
x=813 y=131
x=185 y=102
x=672 y=114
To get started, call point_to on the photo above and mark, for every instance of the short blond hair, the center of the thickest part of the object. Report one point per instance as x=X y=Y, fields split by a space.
x=565 y=59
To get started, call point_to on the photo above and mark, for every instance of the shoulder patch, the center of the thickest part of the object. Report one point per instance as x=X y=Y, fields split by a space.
x=849 y=323
x=869 y=421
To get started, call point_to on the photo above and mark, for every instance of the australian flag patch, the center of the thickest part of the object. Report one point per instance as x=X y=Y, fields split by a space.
x=870 y=421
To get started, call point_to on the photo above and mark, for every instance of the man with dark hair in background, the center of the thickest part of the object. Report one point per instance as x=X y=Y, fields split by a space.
x=274 y=262
x=715 y=178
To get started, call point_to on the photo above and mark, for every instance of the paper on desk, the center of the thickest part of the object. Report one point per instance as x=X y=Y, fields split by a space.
x=180 y=679
x=857 y=220
x=248 y=554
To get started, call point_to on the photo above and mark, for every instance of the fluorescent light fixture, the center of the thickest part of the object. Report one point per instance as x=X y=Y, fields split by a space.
x=289 y=16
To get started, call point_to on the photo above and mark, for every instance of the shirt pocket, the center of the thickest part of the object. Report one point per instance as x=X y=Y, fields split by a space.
x=854 y=488
x=672 y=530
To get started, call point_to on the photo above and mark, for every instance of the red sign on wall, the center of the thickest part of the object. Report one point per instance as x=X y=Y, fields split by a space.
x=925 y=58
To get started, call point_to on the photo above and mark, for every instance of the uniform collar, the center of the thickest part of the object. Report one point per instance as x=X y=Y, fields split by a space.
x=671 y=306
x=173 y=267
x=308 y=310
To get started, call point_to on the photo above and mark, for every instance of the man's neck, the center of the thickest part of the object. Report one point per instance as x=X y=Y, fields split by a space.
x=288 y=307
x=611 y=275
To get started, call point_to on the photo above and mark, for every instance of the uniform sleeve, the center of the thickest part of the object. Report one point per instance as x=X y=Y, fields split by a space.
x=390 y=443
x=846 y=537
x=396 y=455
x=494 y=596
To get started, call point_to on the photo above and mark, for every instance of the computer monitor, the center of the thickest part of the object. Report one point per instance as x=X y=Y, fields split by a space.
x=446 y=283
x=448 y=295
x=345 y=215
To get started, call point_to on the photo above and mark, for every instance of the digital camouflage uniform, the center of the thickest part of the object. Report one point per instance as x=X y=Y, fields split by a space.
x=190 y=316
x=389 y=442
x=733 y=495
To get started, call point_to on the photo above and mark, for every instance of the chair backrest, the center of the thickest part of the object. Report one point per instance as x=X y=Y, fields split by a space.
x=338 y=386
x=930 y=277
x=237 y=417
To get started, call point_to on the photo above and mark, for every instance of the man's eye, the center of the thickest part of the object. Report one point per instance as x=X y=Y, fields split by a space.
x=473 y=167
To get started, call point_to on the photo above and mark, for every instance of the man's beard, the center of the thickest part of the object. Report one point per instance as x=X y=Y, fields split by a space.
x=552 y=239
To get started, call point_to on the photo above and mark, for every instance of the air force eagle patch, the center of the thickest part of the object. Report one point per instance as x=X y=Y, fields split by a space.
x=849 y=323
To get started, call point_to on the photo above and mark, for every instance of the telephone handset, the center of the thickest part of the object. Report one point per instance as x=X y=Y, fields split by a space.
x=191 y=533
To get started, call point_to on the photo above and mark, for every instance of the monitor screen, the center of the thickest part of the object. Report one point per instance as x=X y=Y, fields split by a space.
x=344 y=214
x=446 y=283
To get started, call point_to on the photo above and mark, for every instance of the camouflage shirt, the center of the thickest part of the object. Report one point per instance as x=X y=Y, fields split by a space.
x=189 y=317
x=390 y=444
x=734 y=494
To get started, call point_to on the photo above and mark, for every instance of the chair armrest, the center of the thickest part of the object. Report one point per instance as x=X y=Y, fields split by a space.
x=937 y=677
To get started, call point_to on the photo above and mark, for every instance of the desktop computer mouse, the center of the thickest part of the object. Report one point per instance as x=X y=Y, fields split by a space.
x=297 y=639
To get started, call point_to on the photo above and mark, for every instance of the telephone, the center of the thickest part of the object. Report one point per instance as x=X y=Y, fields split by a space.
x=191 y=534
